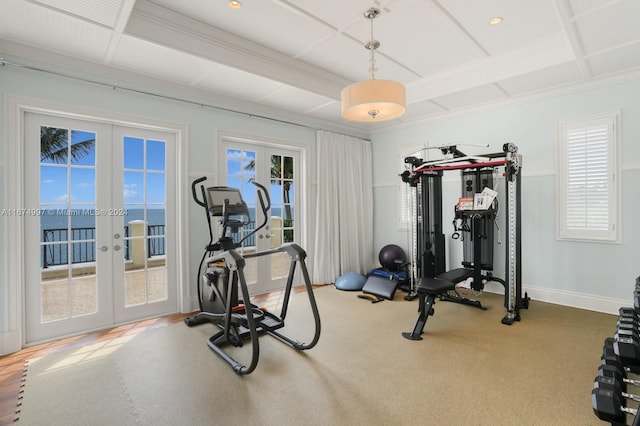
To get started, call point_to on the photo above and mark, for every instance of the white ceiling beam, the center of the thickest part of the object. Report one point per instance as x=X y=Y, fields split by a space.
x=121 y=22
x=459 y=28
x=542 y=53
x=167 y=28
x=564 y=12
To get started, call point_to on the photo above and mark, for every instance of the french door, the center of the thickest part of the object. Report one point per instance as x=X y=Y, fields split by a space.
x=99 y=231
x=278 y=169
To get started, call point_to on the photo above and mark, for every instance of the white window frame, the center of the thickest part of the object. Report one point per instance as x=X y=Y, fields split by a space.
x=587 y=158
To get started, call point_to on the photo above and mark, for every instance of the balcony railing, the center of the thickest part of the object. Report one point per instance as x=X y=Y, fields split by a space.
x=56 y=244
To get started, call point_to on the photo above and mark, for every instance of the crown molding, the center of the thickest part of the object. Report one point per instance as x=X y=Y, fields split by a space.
x=105 y=75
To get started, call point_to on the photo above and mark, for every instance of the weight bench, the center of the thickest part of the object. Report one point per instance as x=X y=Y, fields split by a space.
x=430 y=288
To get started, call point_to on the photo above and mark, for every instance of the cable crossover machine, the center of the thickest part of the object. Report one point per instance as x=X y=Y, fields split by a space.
x=223 y=294
x=475 y=215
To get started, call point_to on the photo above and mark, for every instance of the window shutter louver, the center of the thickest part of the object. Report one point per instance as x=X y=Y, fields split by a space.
x=587 y=187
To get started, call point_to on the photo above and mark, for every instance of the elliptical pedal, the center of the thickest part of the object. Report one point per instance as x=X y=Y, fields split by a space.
x=271 y=322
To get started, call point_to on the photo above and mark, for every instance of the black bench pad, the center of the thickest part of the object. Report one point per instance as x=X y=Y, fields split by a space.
x=434 y=286
x=379 y=286
x=456 y=275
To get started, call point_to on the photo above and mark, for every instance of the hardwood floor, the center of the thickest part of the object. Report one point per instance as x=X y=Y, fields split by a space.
x=12 y=366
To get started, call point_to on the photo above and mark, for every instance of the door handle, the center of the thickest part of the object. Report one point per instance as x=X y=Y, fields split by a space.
x=116 y=248
x=103 y=248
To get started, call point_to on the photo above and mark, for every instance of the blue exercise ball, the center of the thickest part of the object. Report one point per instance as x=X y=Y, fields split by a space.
x=351 y=281
x=391 y=257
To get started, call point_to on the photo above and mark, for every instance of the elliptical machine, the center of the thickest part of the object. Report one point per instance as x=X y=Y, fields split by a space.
x=223 y=295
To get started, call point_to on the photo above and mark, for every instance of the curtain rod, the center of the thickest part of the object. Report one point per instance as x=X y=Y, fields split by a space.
x=4 y=63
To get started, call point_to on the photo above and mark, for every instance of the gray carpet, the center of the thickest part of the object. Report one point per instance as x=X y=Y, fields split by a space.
x=469 y=369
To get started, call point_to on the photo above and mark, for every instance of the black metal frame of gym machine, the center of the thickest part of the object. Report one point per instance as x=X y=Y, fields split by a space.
x=239 y=319
x=426 y=177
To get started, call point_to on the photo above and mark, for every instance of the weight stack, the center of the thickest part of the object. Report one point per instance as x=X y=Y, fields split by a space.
x=473 y=182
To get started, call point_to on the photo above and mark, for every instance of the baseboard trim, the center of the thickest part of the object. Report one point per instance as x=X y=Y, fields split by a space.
x=192 y=305
x=572 y=299
x=10 y=342
x=589 y=302
x=187 y=305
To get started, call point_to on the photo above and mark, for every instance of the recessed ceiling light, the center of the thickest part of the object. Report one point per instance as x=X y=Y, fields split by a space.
x=495 y=20
x=235 y=4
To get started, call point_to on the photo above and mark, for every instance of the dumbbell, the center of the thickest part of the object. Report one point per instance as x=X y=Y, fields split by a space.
x=626 y=317
x=627 y=330
x=610 y=383
x=607 y=405
x=628 y=312
x=627 y=322
x=609 y=357
x=620 y=394
x=628 y=350
x=618 y=375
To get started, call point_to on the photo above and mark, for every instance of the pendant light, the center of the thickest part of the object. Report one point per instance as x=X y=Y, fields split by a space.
x=373 y=100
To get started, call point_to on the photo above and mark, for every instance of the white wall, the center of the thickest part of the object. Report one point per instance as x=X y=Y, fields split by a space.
x=593 y=276
x=589 y=275
x=203 y=126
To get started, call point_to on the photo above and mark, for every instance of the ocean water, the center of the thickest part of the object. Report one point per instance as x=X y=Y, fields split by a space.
x=78 y=227
x=86 y=218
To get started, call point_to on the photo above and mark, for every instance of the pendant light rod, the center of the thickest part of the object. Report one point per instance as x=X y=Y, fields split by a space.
x=372 y=44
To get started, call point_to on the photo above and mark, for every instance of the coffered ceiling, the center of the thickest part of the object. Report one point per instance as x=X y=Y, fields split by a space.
x=296 y=55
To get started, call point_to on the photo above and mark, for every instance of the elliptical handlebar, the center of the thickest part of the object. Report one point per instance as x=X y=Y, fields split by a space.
x=263 y=197
x=266 y=194
x=195 y=194
x=265 y=208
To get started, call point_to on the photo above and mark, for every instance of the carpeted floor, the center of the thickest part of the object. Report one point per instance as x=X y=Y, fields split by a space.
x=469 y=370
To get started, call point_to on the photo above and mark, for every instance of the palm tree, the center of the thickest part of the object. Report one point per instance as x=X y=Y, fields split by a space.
x=280 y=176
x=54 y=143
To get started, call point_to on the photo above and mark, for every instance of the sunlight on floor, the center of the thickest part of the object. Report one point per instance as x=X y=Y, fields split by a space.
x=88 y=353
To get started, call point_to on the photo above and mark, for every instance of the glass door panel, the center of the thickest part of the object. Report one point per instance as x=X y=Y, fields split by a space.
x=144 y=195
x=282 y=190
x=101 y=206
x=144 y=191
x=277 y=170
x=241 y=170
x=67 y=199
x=62 y=291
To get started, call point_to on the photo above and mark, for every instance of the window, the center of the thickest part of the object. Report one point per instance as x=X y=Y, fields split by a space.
x=588 y=185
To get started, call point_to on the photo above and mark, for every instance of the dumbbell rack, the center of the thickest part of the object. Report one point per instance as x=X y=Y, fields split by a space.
x=619 y=372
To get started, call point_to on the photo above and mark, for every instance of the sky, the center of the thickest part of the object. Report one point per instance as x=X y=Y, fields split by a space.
x=238 y=176
x=74 y=185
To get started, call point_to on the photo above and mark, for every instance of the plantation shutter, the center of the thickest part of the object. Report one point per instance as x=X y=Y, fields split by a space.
x=588 y=189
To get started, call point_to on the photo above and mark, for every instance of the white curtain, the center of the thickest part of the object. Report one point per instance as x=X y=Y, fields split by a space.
x=344 y=225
